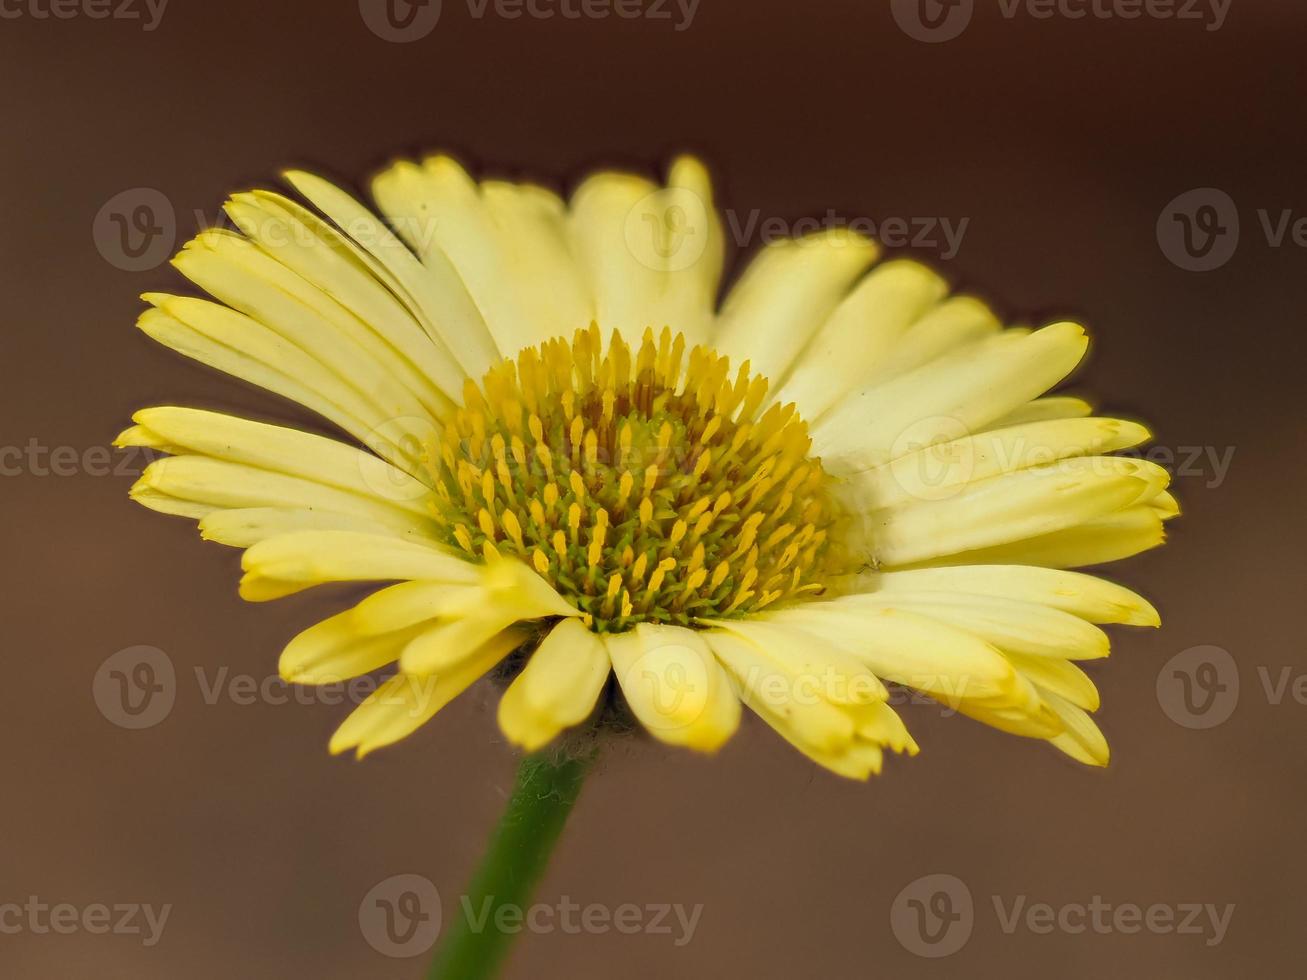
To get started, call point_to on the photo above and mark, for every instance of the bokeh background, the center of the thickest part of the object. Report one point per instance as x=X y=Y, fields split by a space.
x=1060 y=141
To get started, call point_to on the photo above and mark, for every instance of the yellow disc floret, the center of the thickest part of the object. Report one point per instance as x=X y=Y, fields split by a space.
x=645 y=488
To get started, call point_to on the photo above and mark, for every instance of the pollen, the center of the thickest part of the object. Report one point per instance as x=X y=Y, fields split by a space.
x=644 y=485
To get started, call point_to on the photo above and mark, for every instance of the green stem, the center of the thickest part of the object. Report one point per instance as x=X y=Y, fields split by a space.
x=475 y=944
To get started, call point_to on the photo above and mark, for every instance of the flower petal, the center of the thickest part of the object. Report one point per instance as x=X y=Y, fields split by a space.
x=333 y=650
x=404 y=703
x=941 y=470
x=674 y=685
x=962 y=391
x=293 y=562
x=230 y=342
x=1082 y=739
x=1012 y=507
x=785 y=294
x=434 y=294
x=223 y=485
x=247 y=526
x=955 y=323
x=1086 y=596
x=839 y=677
x=861 y=332
x=558 y=687
x=768 y=688
x=1095 y=542
x=279 y=449
x=949 y=664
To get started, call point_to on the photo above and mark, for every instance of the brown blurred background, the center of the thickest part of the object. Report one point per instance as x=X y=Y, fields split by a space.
x=1061 y=141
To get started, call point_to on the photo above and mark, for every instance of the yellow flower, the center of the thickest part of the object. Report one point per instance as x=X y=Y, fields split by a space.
x=577 y=467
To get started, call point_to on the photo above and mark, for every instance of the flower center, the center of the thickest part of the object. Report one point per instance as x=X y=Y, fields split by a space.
x=644 y=486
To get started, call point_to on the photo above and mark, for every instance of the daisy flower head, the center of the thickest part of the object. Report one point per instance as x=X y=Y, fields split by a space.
x=578 y=471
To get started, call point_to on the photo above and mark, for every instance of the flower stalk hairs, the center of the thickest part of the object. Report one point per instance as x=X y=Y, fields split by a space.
x=577 y=472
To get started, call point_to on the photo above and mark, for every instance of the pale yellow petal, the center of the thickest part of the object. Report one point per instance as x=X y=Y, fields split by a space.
x=404 y=703
x=1165 y=505
x=537 y=265
x=1103 y=539
x=1012 y=507
x=949 y=664
x=1082 y=739
x=953 y=324
x=558 y=688
x=508 y=592
x=824 y=669
x=247 y=526
x=785 y=294
x=1008 y=624
x=235 y=344
x=943 y=469
x=448 y=641
x=435 y=296
x=623 y=270
x=860 y=333
x=221 y=484
x=674 y=685
x=812 y=723
x=332 y=651
x=1059 y=676
x=1045 y=410
x=292 y=562
x=1091 y=598
x=961 y=392
x=281 y=450
x=410 y=603
x=247 y=279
